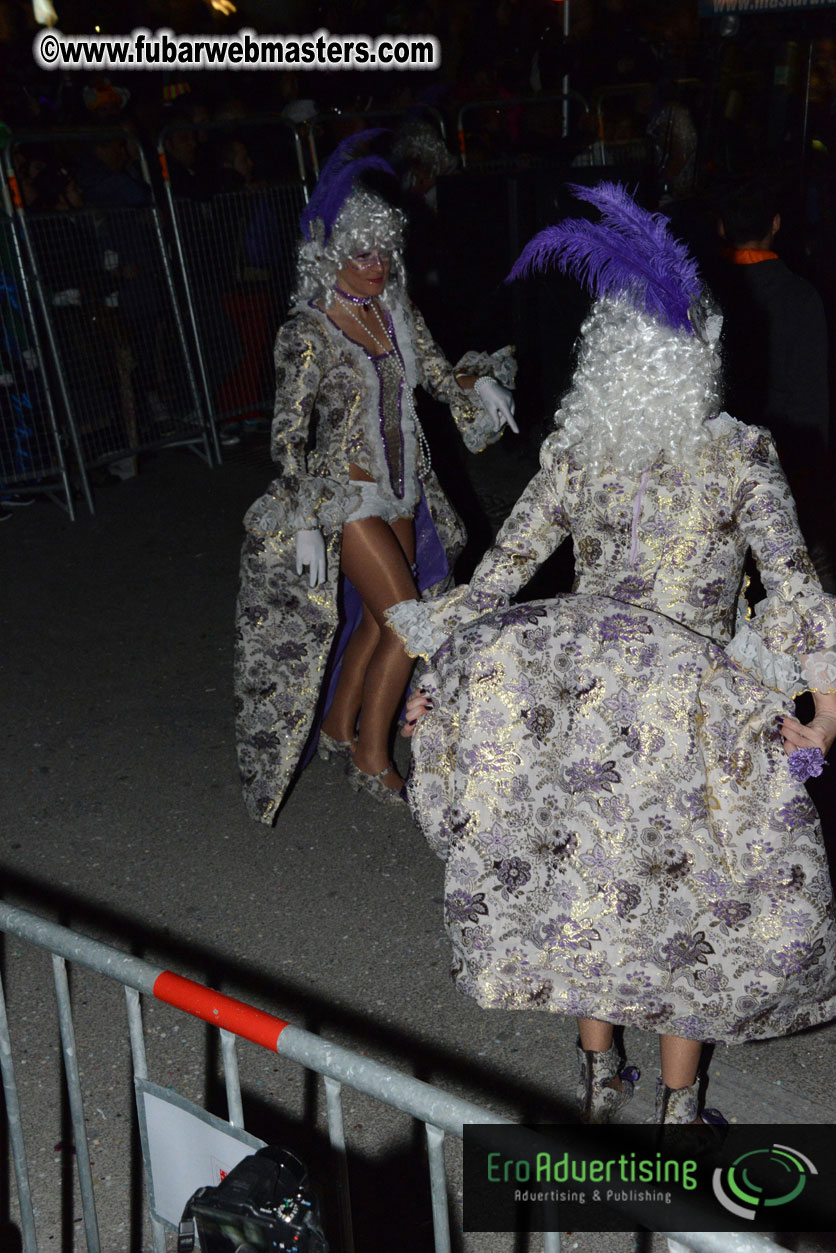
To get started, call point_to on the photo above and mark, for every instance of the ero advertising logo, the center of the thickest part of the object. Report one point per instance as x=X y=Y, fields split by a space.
x=762 y=1178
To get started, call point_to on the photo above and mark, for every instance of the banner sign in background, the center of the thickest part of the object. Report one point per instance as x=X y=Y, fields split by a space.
x=759 y=1177
x=714 y=8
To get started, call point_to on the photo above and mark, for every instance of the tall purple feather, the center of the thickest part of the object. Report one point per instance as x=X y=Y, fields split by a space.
x=337 y=178
x=630 y=251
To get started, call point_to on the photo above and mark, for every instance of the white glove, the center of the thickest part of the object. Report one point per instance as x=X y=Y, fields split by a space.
x=310 y=551
x=497 y=402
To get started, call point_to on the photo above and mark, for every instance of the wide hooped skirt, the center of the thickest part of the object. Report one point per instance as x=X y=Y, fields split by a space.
x=622 y=834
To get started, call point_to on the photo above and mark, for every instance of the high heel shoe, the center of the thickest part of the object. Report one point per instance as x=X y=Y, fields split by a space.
x=680 y=1106
x=328 y=747
x=597 y=1097
x=373 y=783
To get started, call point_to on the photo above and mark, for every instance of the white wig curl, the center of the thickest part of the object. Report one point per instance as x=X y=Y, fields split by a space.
x=365 y=222
x=640 y=388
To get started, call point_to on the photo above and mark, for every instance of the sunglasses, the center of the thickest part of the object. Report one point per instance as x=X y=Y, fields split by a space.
x=365 y=260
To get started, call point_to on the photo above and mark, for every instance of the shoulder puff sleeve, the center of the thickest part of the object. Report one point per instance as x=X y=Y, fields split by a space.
x=536 y=526
x=790 y=642
x=439 y=378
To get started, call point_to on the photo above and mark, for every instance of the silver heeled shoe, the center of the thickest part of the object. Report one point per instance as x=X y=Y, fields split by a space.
x=373 y=783
x=680 y=1106
x=338 y=749
x=597 y=1098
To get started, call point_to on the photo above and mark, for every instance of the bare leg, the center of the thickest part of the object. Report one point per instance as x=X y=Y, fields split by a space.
x=377 y=558
x=594 y=1034
x=341 y=722
x=680 y=1059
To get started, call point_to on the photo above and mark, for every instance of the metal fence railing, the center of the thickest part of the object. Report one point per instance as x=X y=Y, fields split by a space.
x=103 y=286
x=440 y=1113
x=32 y=454
x=235 y=246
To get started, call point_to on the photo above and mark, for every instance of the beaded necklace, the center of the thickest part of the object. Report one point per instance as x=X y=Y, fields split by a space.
x=342 y=299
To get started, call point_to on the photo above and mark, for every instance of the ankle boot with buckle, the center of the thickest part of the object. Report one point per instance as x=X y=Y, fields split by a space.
x=599 y=1097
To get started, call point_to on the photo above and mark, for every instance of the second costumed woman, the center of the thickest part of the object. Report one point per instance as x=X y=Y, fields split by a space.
x=357 y=520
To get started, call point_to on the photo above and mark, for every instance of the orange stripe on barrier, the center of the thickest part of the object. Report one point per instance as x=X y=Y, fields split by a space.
x=14 y=188
x=221 y=1011
x=163 y=166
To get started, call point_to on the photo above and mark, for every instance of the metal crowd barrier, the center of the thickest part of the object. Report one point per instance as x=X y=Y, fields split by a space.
x=105 y=291
x=441 y=1113
x=235 y=247
x=32 y=457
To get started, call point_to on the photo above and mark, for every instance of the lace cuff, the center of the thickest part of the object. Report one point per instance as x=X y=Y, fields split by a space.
x=478 y=431
x=778 y=671
x=317 y=504
x=423 y=626
x=500 y=365
x=788 y=646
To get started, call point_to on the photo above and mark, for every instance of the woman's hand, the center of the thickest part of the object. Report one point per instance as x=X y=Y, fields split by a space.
x=498 y=403
x=819 y=733
x=418 y=704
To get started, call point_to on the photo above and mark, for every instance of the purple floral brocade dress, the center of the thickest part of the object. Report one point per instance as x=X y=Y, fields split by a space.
x=603 y=772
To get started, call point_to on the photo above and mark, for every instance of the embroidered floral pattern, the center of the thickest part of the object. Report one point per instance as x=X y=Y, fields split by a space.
x=624 y=805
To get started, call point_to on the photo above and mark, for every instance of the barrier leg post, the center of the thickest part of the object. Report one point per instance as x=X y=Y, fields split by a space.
x=336 y=1132
x=235 y=1109
x=438 y=1188
x=82 y=1153
x=140 y=1068
x=24 y=1195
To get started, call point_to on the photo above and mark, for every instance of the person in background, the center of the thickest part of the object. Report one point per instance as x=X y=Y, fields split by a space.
x=777 y=355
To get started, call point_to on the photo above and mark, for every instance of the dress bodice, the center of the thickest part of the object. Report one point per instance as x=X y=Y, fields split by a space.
x=664 y=540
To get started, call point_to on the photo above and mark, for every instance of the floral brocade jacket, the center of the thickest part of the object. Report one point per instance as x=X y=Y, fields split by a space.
x=674 y=542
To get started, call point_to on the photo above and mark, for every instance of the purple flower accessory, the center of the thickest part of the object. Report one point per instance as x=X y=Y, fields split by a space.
x=806 y=763
x=629 y=252
x=337 y=178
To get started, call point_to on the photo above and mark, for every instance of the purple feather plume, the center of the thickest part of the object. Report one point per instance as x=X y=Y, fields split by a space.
x=629 y=251
x=337 y=178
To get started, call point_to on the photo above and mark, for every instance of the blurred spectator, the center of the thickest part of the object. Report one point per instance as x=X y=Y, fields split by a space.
x=235 y=166
x=776 y=338
x=187 y=173
x=420 y=157
x=673 y=134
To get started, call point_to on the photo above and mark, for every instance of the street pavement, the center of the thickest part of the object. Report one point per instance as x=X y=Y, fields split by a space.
x=122 y=818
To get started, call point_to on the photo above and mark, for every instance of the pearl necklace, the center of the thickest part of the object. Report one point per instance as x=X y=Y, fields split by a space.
x=423 y=446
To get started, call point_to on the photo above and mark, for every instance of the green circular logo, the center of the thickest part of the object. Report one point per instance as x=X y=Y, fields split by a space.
x=762 y=1178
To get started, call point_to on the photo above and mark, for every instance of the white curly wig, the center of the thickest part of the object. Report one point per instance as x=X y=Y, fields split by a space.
x=365 y=222
x=640 y=388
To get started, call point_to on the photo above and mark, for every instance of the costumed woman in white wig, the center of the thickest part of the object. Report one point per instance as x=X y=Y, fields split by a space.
x=615 y=776
x=356 y=521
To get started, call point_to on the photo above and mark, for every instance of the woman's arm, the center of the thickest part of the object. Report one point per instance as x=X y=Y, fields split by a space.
x=794 y=630
x=534 y=529
x=479 y=415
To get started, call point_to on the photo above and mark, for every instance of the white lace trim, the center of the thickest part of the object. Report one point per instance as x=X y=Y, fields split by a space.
x=327 y=512
x=778 y=671
x=411 y=620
